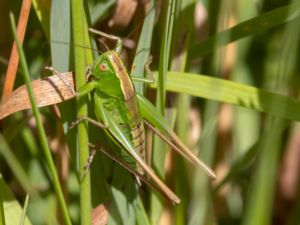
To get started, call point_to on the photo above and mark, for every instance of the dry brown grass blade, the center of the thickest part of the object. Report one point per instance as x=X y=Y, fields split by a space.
x=14 y=57
x=47 y=91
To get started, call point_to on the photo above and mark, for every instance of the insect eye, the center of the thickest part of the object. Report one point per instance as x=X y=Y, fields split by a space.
x=103 y=67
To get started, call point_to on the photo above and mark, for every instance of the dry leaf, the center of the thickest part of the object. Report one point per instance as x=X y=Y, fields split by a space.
x=47 y=91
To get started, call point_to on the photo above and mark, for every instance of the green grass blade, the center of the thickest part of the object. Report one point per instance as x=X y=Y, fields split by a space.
x=253 y=26
x=60 y=28
x=141 y=215
x=143 y=48
x=40 y=128
x=183 y=32
x=15 y=165
x=234 y=93
x=80 y=33
x=261 y=192
x=22 y=222
x=42 y=9
x=60 y=35
x=159 y=147
x=2 y=216
x=11 y=207
x=164 y=55
x=263 y=184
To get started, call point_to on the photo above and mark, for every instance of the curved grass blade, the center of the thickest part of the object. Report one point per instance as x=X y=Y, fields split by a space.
x=253 y=26
x=40 y=128
x=22 y=222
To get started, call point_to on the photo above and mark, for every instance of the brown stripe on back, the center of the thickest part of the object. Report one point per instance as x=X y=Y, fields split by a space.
x=125 y=81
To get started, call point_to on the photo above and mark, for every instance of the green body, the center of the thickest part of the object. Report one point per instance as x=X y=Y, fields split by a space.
x=114 y=92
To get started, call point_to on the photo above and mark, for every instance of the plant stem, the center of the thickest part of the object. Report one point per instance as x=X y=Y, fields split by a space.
x=79 y=33
x=40 y=128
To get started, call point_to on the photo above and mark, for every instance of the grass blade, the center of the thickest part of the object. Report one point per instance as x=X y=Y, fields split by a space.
x=234 y=93
x=11 y=207
x=159 y=147
x=2 y=216
x=40 y=128
x=15 y=165
x=253 y=26
x=80 y=33
x=143 y=48
x=22 y=222
x=263 y=186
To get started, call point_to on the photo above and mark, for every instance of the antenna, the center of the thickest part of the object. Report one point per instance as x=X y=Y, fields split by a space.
x=75 y=45
x=118 y=39
x=109 y=36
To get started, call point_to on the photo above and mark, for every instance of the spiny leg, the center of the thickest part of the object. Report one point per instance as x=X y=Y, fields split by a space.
x=136 y=174
x=88 y=164
x=90 y=120
x=93 y=152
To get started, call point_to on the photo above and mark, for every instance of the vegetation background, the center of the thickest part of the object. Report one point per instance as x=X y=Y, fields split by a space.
x=237 y=109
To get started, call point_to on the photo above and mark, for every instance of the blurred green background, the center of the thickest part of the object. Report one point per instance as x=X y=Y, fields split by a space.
x=252 y=144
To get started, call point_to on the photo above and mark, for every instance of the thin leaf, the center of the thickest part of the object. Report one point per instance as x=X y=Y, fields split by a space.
x=2 y=216
x=15 y=166
x=159 y=147
x=81 y=37
x=253 y=26
x=60 y=33
x=40 y=128
x=143 y=48
x=42 y=9
x=12 y=208
x=234 y=93
x=22 y=222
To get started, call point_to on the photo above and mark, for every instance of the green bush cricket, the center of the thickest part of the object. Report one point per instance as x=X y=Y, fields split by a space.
x=121 y=112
